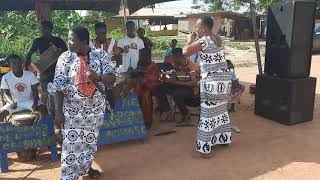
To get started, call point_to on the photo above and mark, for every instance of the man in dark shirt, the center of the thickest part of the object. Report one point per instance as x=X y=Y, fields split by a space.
x=41 y=44
x=148 y=44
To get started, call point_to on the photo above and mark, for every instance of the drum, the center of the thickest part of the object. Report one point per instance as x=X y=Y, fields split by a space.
x=47 y=58
x=4 y=70
x=25 y=118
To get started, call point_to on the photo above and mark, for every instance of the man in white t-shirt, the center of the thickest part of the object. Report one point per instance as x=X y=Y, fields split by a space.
x=19 y=87
x=129 y=46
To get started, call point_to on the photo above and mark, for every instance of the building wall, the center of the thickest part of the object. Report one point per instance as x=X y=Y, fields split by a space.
x=169 y=27
x=183 y=25
x=115 y=23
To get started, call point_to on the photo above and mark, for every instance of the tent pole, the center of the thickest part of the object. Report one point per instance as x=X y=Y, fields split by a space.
x=256 y=40
x=125 y=6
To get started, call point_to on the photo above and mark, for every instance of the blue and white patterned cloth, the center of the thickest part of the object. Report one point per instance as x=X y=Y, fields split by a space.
x=83 y=115
x=215 y=86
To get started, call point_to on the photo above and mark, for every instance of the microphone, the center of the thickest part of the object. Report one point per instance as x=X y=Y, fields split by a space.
x=185 y=31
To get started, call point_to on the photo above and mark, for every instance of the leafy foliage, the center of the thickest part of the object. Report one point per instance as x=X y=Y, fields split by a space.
x=239 y=46
x=117 y=33
x=18 y=29
x=161 y=43
x=226 y=5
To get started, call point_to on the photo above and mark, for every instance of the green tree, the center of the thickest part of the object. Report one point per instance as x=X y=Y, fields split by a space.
x=93 y=17
x=19 y=28
x=223 y=5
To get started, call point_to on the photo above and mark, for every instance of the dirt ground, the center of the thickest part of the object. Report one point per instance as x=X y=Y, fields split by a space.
x=264 y=150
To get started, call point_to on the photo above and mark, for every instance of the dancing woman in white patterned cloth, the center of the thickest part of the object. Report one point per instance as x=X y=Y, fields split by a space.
x=80 y=102
x=215 y=86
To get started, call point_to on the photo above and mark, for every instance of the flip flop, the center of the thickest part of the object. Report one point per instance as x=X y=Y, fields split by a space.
x=93 y=173
x=236 y=129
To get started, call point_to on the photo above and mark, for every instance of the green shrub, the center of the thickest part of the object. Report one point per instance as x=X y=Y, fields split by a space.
x=117 y=33
x=158 y=54
x=161 y=43
x=19 y=47
x=149 y=33
x=239 y=46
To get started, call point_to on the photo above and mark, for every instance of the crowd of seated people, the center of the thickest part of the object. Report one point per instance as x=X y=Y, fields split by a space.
x=177 y=77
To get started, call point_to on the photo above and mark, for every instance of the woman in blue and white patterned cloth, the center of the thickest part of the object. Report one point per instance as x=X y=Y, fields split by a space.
x=215 y=86
x=80 y=102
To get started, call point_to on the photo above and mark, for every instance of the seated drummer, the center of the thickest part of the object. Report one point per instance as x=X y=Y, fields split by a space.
x=19 y=88
x=184 y=89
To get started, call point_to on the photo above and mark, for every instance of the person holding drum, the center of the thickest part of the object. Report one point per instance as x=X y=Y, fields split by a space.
x=42 y=45
x=19 y=88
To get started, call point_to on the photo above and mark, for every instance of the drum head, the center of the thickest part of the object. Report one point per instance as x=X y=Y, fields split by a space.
x=23 y=119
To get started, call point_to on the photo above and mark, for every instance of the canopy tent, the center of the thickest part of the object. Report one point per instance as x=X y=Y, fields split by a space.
x=98 y=5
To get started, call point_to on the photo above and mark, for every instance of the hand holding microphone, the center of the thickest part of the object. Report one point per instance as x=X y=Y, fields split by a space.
x=192 y=37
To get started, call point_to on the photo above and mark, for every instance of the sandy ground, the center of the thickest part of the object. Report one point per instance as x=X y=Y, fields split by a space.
x=245 y=58
x=264 y=150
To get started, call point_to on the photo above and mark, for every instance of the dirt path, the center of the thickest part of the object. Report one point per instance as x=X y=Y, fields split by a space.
x=264 y=150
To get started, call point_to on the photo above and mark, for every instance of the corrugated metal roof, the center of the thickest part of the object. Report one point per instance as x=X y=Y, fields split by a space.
x=174 y=11
x=222 y=13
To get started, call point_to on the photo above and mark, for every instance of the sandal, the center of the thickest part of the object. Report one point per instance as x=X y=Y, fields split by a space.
x=93 y=173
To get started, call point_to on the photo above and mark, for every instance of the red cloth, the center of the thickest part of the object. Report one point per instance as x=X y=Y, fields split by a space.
x=146 y=104
x=84 y=85
x=150 y=81
x=169 y=59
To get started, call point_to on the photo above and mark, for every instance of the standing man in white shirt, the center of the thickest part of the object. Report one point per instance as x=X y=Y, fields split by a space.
x=129 y=46
x=19 y=87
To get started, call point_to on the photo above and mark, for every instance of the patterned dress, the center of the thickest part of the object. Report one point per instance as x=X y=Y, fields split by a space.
x=83 y=114
x=215 y=86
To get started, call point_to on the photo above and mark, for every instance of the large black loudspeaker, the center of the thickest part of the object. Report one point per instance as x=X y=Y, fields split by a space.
x=285 y=100
x=290 y=27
